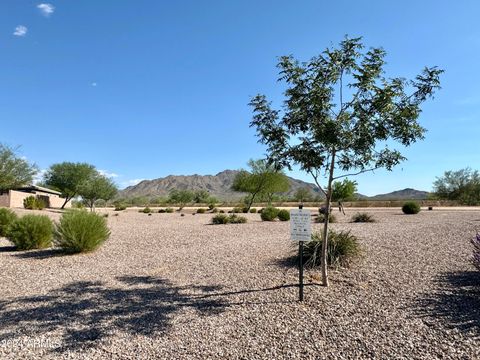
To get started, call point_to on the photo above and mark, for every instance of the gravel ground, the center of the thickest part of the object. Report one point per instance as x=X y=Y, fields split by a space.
x=172 y=287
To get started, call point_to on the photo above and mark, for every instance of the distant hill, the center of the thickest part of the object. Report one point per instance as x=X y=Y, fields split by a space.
x=405 y=194
x=218 y=185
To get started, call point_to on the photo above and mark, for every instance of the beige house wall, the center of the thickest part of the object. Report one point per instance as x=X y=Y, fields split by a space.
x=4 y=200
x=15 y=199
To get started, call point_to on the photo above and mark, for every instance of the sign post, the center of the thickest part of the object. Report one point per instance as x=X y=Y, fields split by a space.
x=301 y=231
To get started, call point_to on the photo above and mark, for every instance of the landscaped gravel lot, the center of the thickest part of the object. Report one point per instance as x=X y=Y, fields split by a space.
x=172 y=287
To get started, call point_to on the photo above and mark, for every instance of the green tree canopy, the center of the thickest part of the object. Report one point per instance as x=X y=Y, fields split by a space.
x=262 y=181
x=95 y=188
x=66 y=177
x=462 y=185
x=181 y=197
x=344 y=190
x=341 y=116
x=303 y=194
x=14 y=170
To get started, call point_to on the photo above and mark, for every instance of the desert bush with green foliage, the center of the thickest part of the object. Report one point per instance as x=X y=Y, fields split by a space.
x=228 y=219
x=7 y=218
x=410 y=208
x=31 y=232
x=161 y=211
x=321 y=218
x=237 y=210
x=33 y=203
x=363 y=218
x=253 y=211
x=80 y=231
x=269 y=213
x=283 y=215
x=222 y=211
x=201 y=211
x=120 y=207
x=342 y=249
x=146 y=210
x=169 y=210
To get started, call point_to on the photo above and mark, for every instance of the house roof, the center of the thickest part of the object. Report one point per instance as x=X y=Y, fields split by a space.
x=39 y=188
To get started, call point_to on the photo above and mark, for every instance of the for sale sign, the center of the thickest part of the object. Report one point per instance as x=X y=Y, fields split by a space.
x=300 y=225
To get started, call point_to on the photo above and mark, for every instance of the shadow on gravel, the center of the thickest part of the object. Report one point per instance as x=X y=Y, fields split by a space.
x=456 y=302
x=84 y=313
x=40 y=254
x=7 y=248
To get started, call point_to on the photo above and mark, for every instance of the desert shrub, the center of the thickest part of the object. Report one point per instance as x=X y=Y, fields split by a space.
x=169 y=210
x=476 y=251
x=342 y=249
x=222 y=211
x=80 y=231
x=31 y=232
x=201 y=211
x=214 y=210
x=253 y=211
x=362 y=218
x=269 y=213
x=410 y=208
x=7 y=218
x=33 y=203
x=120 y=207
x=323 y=210
x=146 y=210
x=321 y=218
x=260 y=211
x=220 y=219
x=211 y=206
x=237 y=210
x=162 y=211
x=235 y=219
x=228 y=219
x=245 y=210
x=283 y=215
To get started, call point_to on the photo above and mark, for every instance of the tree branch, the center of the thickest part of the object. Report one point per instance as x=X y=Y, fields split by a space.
x=357 y=173
x=315 y=178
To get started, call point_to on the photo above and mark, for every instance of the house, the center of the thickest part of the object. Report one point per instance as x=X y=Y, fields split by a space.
x=14 y=198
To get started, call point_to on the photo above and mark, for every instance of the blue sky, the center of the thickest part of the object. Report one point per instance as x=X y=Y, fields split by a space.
x=144 y=89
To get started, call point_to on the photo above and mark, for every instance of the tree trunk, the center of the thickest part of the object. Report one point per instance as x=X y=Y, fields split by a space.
x=328 y=200
x=65 y=203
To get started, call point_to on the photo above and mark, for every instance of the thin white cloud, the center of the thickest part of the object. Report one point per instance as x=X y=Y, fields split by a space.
x=46 y=9
x=20 y=30
x=108 y=174
x=131 y=182
x=94 y=84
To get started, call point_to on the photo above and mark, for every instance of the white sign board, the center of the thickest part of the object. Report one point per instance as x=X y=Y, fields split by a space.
x=300 y=225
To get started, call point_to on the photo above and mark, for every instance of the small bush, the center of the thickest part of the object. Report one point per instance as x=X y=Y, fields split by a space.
x=161 y=211
x=169 y=210
x=31 y=232
x=237 y=210
x=323 y=210
x=235 y=219
x=245 y=210
x=260 y=211
x=211 y=206
x=214 y=210
x=33 y=203
x=146 y=210
x=476 y=251
x=342 y=249
x=321 y=218
x=201 y=211
x=80 y=231
x=220 y=219
x=362 y=218
x=253 y=211
x=120 y=207
x=411 y=208
x=7 y=218
x=269 y=213
x=222 y=211
x=283 y=215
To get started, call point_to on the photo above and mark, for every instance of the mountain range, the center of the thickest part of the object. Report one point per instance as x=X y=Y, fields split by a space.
x=219 y=185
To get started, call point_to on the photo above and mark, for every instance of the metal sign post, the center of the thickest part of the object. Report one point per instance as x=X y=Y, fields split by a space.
x=300 y=230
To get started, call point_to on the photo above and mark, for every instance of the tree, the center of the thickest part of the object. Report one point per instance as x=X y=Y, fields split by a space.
x=462 y=185
x=338 y=115
x=180 y=197
x=66 y=177
x=303 y=195
x=344 y=190
x=14 y=171
x=95 y=188
x=201 y=196
x=263 y=180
